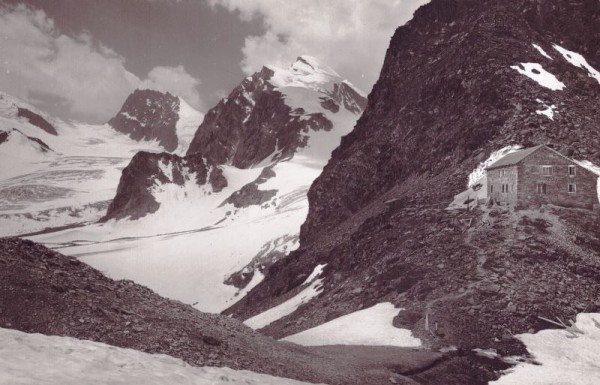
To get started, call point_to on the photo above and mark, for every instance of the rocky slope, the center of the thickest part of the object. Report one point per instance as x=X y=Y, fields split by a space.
x=154 y=115
x=462 y=79
x=42 y=291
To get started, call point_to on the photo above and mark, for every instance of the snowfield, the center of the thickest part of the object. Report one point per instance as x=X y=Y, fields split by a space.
x=372 y=326
x=564 y=360
x=33 y=359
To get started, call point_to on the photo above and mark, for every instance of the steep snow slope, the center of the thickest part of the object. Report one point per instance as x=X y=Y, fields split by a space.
x=31 y=359
x=187 y=123
x=235 y=232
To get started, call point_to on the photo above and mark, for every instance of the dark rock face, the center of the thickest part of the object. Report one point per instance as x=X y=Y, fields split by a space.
x=254 y=121
x=147 y=115
x=446 y=98
x=134 y=198
x=36 y=120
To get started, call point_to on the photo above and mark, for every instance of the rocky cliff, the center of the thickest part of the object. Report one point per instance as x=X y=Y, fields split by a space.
x=462 y=79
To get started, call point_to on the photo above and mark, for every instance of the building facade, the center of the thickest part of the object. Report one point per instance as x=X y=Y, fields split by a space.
x=540 y=175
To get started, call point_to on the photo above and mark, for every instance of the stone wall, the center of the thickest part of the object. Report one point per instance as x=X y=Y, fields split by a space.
x=504 y=176
x=530 y=175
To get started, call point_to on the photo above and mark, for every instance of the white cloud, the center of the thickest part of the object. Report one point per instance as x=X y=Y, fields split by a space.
x=351 y=36
x=72 y=76
x=177 y=81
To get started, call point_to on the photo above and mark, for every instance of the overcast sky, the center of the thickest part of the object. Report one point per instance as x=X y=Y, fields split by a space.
x=80 y=59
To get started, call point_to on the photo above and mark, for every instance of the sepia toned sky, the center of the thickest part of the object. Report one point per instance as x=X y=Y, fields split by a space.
x=79 y=59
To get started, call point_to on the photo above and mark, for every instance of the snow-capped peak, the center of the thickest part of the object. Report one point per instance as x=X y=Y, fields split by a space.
x=305 y=72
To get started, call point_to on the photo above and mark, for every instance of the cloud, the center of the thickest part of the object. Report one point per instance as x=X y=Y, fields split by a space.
x=351 y=36
x=177 y=81
x=72 y=76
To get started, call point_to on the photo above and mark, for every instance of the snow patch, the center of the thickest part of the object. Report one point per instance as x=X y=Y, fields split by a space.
x=313 y=289
x=32 y=359
x=578 y=61
x=541 y=50
x=372 y=326
x=167 y=169
x=130 y=117
x=536 y=72
x=548 y=110
x=564 y=359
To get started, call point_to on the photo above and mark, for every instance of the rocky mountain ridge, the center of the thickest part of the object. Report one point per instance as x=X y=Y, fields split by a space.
x=462 y=79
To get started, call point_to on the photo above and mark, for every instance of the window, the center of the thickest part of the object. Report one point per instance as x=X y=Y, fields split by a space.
x=505 y=187
x=572 y=170
x=572 y=188
x=541 y=188
x=546 y=170
x=491 y=188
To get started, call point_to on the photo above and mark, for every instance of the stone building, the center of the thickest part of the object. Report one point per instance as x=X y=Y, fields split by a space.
x=540 y=175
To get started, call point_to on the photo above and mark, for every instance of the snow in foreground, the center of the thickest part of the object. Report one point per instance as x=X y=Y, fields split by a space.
x=564 y=360
x=372 y=326
x=38 y=359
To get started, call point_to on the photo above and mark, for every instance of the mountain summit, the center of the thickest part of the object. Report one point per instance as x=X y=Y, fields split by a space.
x=154 y=115
x=272 y=111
